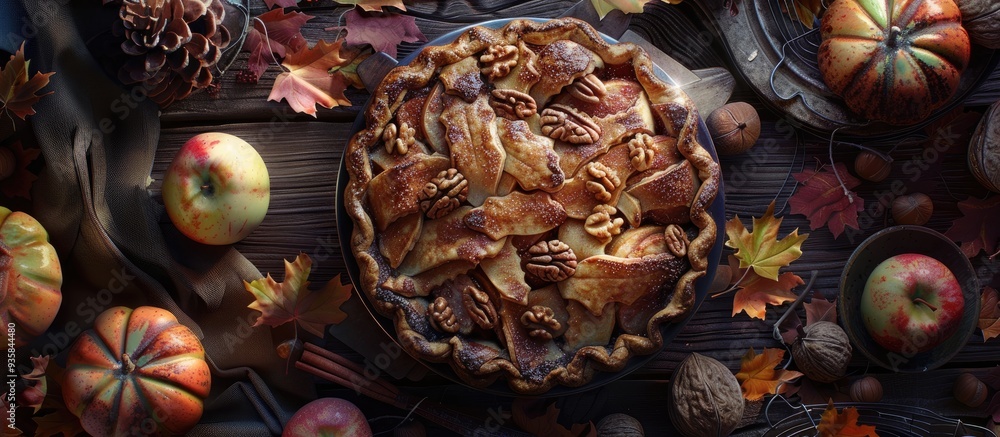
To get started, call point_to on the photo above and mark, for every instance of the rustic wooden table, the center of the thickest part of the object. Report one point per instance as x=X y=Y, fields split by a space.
x=304 y=154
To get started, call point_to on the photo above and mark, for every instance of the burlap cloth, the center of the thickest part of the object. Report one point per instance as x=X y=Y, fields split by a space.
x=115 y=243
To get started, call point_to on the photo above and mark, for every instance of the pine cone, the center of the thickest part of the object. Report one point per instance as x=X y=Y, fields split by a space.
x=173 y=45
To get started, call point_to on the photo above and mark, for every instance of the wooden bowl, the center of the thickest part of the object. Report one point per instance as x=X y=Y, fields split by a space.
x=877 y=248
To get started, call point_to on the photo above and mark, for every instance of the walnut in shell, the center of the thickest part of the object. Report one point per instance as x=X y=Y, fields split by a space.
x=705 y=398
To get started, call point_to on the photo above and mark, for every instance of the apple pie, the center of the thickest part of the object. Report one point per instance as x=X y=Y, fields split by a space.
x=530 y=204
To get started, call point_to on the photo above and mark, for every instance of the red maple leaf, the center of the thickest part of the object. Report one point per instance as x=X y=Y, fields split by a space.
x=817 y=310
x=18 y=89
x=977 y=229
x=281 y=3
x=18 y=184
x=822 y=199
x=308 y=81
x=383 y=31
x=274 y=36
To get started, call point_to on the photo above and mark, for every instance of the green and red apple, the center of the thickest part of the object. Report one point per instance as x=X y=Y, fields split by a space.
x=328 y=417
x=216 y=190
x=912 y=303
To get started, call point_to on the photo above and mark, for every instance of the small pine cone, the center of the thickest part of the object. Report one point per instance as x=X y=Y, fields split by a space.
x=173 y=44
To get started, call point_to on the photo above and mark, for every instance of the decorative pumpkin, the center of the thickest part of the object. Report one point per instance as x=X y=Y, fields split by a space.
x=981 y=18
x=30 y=276
x=893 y=65
x=137 y=372
x=822 y=351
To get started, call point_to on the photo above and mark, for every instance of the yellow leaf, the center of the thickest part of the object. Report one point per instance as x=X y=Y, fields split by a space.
x=291 y=300
x=309 y=81
x=761 y=250
x=603 y=7
x=836 y=424
x=758 y=375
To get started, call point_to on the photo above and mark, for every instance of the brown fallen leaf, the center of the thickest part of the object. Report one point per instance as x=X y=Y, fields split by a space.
x=834 y=423
x=291 y=300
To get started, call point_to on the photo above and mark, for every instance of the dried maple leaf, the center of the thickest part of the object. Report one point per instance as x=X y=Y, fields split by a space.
x=534 y=417
x=758 y=375
x=374 y=5
x=280 y=3
x=822 y=199
x=989 y=314
x=993 y=408
x=977 y=229
x=18 y=184
x=355 y=55
x=57 y=419
x=274 y=34
x=818 y=309
x=834 y=423
x=806 y=11
x=308 y=81
x=761 y=250
x=291 y=300
x=34 y=393
x=18 y=91
x=603 y=7
x=382 y=31
x=757 y=292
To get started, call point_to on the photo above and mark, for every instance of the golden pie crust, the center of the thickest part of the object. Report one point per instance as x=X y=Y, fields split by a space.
x=530 y=203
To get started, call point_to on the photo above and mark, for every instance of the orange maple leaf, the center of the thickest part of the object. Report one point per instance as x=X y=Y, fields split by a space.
x=308 y=81
x=291 y=300
x=756 y=292
x=843 y=424
x=989 y=314
x=534 y=417
x=18 y=92
x=758 y=375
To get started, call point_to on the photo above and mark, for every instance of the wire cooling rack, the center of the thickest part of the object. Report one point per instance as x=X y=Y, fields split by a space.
x=777 y=56
x=888 y=419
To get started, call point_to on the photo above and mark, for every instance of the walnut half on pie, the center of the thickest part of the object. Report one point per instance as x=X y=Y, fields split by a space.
x=530 y=203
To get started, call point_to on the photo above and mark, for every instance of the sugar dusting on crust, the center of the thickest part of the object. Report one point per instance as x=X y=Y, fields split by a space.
x=477 y=357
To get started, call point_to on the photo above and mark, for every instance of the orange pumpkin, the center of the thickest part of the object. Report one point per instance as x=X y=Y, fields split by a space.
x=137 y=372
x=893 y=60
x=30 y=276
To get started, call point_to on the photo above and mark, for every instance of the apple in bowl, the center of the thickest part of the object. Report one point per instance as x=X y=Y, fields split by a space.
x=217 y=189
x=328 y=417
x=912 y=303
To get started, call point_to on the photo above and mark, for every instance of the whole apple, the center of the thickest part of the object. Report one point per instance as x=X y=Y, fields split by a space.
x=216 y=190
x=911 y=303
x=328 y=417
